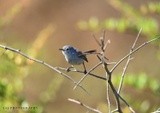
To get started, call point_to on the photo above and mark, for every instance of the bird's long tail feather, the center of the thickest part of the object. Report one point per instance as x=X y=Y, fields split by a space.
x=90 y=51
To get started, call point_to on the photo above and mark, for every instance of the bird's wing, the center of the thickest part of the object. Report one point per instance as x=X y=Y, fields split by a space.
x=83 y=56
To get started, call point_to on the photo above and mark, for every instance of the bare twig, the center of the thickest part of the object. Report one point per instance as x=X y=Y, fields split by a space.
x=109 y=76
x=130 y=108
x=87 y=74
x=127 y=63
x=109 y=72
x=108 y=98
x=136 y=49
x=84 y=105
x=105 y=46
x=78 y=71
x=102 y=40
x=96 y=40
x=41 y=62
x=157 y=111
x=127 y=56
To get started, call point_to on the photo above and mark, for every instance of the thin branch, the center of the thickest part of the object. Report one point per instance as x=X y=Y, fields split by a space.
x=84 y=105
x=87 y=74
x=108 y=98
x=106 y=44
x=115 y=95
x=111 y=85
x=96 y=40
x=157 y=111
x=78 y=71
x=136 y=49
x=102 y=40
x=135 y=42
x=104 y=35
x=119 y=96
x=108 y=76
x=128 y=60
x=126 y=103
x=40 y=62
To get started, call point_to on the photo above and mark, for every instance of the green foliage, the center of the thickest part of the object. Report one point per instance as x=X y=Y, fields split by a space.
x=8 y=67
x=139 y=81
x=131 y=18
x=119 y=24
x=10 y=83
x=51 y=91
x=151 y=7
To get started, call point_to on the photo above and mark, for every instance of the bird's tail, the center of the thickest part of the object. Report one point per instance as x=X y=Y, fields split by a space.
x=90 y=52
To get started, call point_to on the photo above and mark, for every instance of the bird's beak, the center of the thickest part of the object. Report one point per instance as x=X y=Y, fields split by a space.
x=61 y=49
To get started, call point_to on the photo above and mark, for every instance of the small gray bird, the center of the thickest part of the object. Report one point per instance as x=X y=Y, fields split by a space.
x=74 y=56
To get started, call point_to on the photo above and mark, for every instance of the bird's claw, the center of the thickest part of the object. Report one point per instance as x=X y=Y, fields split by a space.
x=69 y=69
x=85 y=72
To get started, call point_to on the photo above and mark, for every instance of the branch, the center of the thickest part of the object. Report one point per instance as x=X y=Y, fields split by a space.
x=112 y=88
x=157 y=111
x=108 y=98
x=84 y=105
x=18 y=51
x=136 y=49
x=78 y=71
x=103 y=45
x=87 y=74
x=127 y=63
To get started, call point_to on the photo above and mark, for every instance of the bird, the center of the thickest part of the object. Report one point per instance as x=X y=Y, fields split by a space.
x=75 y=57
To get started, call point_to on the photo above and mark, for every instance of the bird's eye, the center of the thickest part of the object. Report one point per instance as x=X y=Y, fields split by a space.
x=67 y=49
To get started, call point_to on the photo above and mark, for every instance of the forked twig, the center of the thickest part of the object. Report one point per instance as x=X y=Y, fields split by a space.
x=109 y=72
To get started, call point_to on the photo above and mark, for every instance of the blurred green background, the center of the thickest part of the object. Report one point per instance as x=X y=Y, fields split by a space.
x=40 y=27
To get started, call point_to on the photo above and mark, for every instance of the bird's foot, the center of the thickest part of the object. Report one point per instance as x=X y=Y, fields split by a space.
x=85 y=72
x=69 y=68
